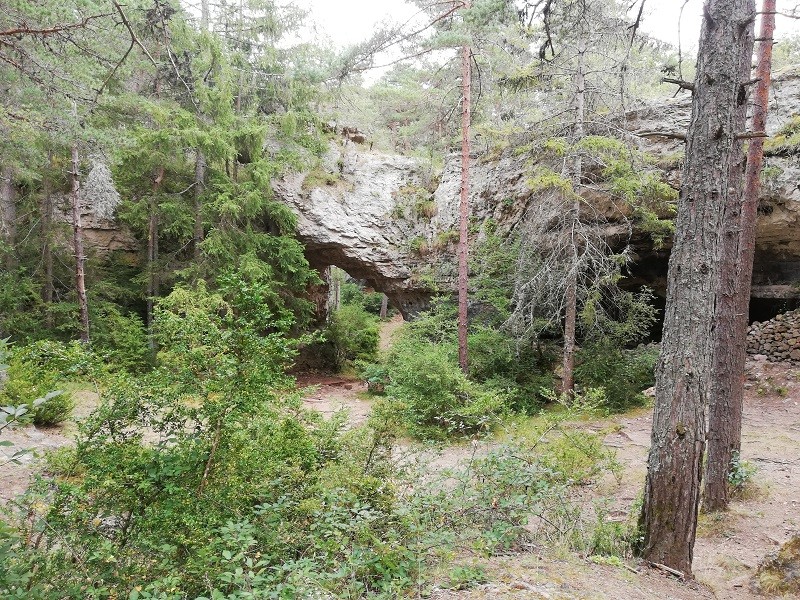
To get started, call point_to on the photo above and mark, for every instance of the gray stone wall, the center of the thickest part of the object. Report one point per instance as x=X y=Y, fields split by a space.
x=778 y=339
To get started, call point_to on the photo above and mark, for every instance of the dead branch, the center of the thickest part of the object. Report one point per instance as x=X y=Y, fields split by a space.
x=134 y=37
x=684 y=85
x=666 y=569
x=665 y=134
x=47 y=31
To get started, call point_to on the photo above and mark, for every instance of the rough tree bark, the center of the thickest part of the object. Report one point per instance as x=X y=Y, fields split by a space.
x=733 y=301
x=8 y=213
x=77 y=246
x=712 y=173
x=463 y=208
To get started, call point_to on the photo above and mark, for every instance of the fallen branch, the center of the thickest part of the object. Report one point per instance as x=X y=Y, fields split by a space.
x=670 y=570
x=751 y=135
x=666 y=134
x=684 y=85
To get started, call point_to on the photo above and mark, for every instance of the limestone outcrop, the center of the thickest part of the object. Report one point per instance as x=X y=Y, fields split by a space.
x=385 y=218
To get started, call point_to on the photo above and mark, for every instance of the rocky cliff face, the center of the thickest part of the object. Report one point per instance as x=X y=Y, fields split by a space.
x=382 y=218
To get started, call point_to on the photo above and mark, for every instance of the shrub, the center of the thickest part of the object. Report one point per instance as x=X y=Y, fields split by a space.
x=376 y=376
x=623 y=374
x=354 y=334
x=56 y=408
x=522 y=371
x=119 y=338
x=438 y=397
x=36 y=371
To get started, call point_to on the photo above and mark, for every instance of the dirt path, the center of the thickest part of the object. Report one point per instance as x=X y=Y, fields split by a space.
x=14 y=478
x=729 y=546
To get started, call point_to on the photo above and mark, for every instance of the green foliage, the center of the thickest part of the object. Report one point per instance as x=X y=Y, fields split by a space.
x=353 y=294
x=319 y=178
x=786 y=140
x=623 y=374
x=740 y=475
x=437 y=397
x=37 y=370
x=606 y=359
x=119 y=339
x=375 y=374
x=354 y=334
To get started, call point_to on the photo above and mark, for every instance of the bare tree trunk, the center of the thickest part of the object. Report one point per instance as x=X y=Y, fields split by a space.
x=77 y=244
x=571 y=294
x=205 y=15
x=8 y=214
x=153 y=282
x=199 y=187
x=733 y=301
x=713 y=172
x=46 y=209
x=463 y=208
x=384 y=306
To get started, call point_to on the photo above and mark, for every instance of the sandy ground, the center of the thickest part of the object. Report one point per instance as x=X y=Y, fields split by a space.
x=729 y=546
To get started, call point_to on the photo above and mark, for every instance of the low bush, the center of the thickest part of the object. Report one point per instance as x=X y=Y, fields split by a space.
x=623 y=374
x=438 y=398
x=38 y=370
x=354 y=334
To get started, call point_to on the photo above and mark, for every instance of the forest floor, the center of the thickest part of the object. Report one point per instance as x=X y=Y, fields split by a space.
x=729 y=545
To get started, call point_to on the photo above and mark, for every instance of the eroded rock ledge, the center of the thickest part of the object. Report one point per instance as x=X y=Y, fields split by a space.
x=383 y=218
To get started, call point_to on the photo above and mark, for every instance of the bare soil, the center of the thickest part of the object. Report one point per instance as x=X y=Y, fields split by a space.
x=729 y=545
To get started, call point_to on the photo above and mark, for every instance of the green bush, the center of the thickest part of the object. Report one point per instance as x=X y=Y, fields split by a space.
x=56 y=408
x=376 y=375
x=438 y=398
x=354 y=334
x=39 y=369
x=623 y=374
x=119 y=338
x=521 y=371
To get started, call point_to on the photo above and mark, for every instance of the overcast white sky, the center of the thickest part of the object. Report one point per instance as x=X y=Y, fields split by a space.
x=350 y=21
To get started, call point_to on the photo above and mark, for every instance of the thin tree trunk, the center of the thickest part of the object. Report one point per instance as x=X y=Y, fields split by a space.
x=733 y=302
x=205 y=15
x=8 y=214
x=713 y=171
x=77 y=245
x=46 y=209
x=199 y=187
x=384 y=306
x=571 y=294
x=153 y=282
x=463 y=208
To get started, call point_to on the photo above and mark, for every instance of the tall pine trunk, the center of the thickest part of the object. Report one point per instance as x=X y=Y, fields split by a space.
x=153 y=282
x=712 y=173
x=199 y=186
x=8 y=214
x=46 y=210
x=77 y=246
x=463 y=207
x=571 y=295
x=733 y=302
